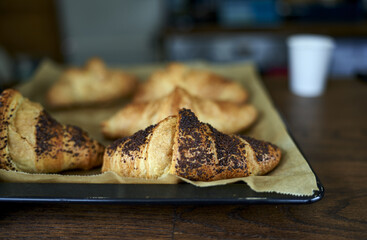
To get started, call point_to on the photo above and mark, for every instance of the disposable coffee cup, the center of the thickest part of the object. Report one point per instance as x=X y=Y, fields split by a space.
x=309 y=61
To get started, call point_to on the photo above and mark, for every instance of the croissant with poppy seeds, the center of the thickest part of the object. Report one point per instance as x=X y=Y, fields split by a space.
x=183 y=146
x=32 y=141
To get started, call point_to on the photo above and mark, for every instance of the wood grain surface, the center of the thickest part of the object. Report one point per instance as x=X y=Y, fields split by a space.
x=332 y=132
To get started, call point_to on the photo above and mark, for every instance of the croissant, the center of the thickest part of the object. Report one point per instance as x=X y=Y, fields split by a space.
x=225 y=116
x=32 y=141
x=89 y=85
x=202 y=83
x=183 y=146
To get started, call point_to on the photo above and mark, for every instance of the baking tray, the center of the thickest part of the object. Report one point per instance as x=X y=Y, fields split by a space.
x=182 y=193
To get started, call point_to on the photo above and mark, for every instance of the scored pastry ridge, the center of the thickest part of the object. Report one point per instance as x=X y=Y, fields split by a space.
x=198 y=144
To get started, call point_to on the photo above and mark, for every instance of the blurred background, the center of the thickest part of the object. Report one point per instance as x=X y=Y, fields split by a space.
x=127 y=32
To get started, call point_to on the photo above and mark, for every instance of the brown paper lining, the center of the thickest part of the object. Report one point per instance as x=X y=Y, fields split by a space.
x=292 y=176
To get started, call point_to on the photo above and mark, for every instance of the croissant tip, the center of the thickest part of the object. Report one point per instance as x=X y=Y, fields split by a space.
x=267 y=154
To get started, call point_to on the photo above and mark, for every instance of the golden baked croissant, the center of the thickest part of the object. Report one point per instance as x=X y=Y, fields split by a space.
x=32 y=141
x=92 y=84
x=204 y=84
x=183 y=146
x=227 y=117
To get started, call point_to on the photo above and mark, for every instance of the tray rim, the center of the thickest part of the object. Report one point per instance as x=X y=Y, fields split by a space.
x=15 y=192
x=50 y=197
x=19 y=194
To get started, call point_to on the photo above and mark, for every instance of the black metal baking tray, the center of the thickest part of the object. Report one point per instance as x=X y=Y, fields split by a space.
x=182 y=193
x=238 y=193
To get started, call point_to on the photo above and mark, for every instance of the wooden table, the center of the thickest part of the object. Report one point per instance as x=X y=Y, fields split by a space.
x=332 y=132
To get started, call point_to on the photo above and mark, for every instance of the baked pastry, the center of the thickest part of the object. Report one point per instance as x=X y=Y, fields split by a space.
x=32 y=141
x=227 y=117
x=89 y=85
x=202 y=83
x=183 y=146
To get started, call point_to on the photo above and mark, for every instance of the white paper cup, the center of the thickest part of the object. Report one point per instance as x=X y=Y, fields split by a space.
x=309 y=60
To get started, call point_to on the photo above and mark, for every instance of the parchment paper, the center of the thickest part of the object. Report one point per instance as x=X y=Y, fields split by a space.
x=292 y=176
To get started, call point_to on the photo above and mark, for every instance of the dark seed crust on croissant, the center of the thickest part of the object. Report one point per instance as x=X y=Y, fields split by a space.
x=32 y=141
x=202 y=153
x=183 y=146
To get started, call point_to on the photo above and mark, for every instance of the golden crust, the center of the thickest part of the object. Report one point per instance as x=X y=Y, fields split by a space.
x=201 y=83
x=90 y=85
x=227 y=117
x=194 y=150
x=32 y=141
x=146 y=154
